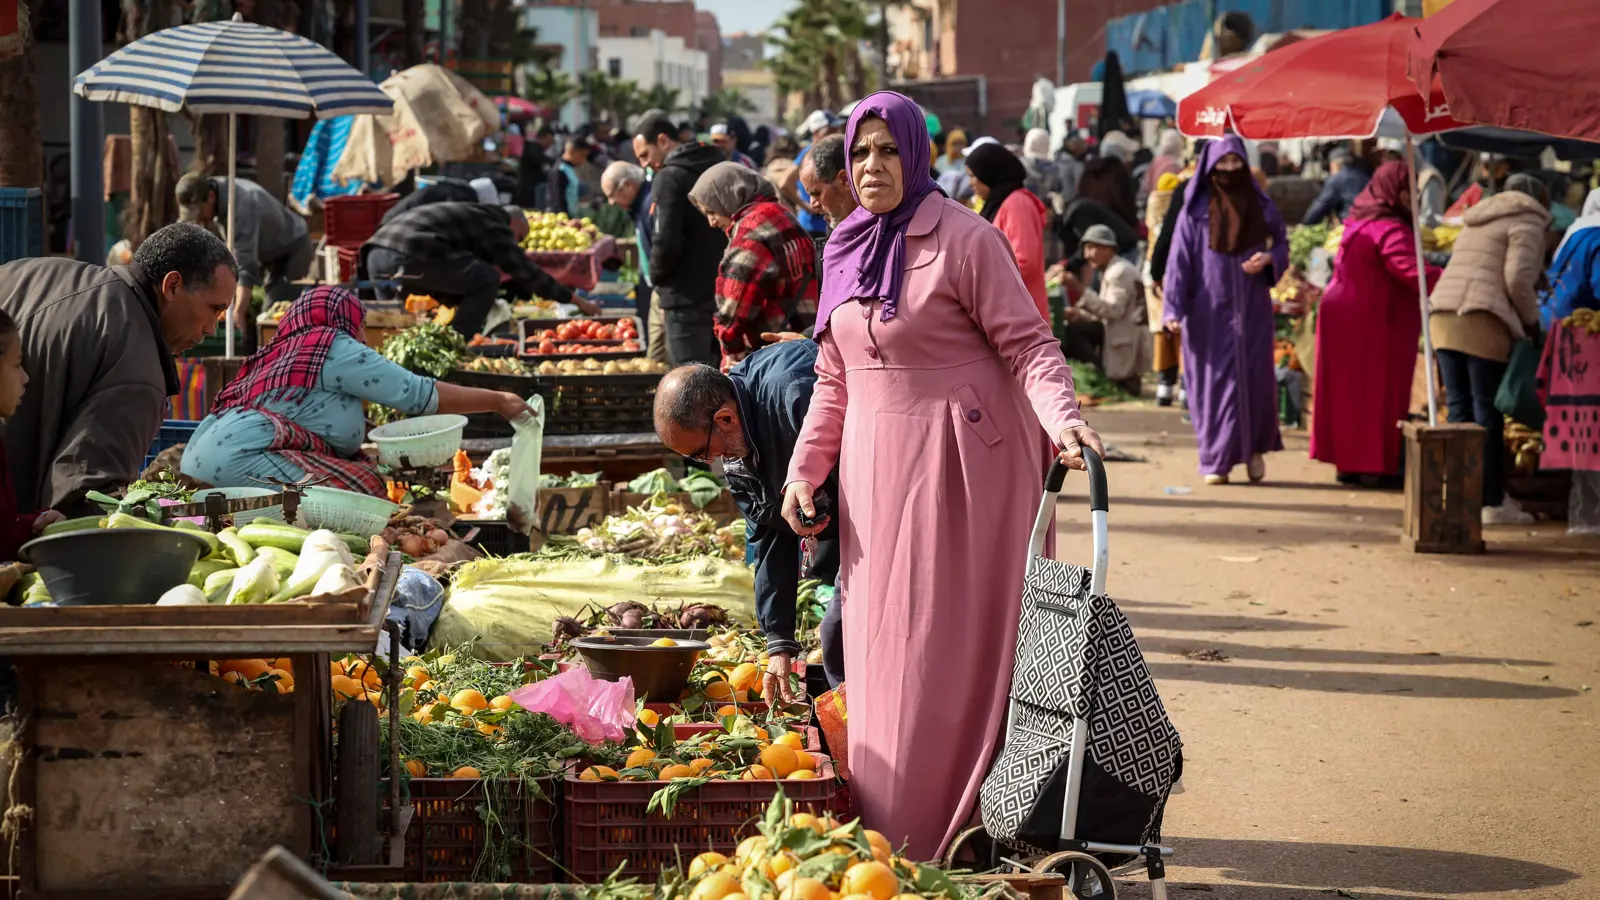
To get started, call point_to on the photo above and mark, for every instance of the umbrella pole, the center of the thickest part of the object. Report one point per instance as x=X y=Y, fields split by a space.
x=1422 y=282
x=233 y=168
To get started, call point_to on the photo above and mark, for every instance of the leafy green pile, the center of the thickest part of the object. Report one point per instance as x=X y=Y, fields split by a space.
x=1090 y=381
x=1302 y=240
x=427 y=349
x=701 y=486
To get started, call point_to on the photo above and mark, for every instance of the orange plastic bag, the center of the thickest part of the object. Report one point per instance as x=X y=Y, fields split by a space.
x=833 y=720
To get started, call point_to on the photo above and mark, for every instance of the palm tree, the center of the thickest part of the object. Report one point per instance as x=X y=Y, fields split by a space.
x=727 y=103
x=663 y=98
x=549 y=88
x=151 y=204
x=618 y=98
x=817 y=51
x=21 y=148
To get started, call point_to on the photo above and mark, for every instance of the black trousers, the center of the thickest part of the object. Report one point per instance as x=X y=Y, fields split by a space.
x=466 y=283
x=1470 y=383
x=690 y=337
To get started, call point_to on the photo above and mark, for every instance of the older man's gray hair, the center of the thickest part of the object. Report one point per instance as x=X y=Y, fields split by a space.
x=618 y=174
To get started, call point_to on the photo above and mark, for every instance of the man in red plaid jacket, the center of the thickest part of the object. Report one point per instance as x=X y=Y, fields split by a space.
x=767 y=281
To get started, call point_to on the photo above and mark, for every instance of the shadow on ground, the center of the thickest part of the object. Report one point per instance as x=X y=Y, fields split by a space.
x=1325 y=656
x=1405 y=685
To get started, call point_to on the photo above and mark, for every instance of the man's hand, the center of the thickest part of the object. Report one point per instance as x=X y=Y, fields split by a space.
x=775 y=686
x=47 y=518
x=241 y=308
x=797 y=499
x=585 y=305
x=1070 y=280
x=779 y=337
x=1072 y=442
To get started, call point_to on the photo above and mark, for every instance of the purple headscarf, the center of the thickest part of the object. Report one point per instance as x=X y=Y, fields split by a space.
x=865 y=256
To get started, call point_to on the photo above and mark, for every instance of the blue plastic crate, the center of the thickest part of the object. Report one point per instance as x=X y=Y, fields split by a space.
x=173 y=432
x=21 y=223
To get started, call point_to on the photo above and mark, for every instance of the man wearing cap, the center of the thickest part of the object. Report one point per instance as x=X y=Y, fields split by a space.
x=270 y=240
x=1117 y=307
x=820 y=124
x=1348 y=179
x=723 y=137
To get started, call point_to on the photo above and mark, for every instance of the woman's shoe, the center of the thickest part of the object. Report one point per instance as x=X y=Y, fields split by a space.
x=1509 y=512
x=1257 y=467
x=1217 y=479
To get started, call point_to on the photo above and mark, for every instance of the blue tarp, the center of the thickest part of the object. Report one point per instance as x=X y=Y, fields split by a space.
x=1170 y=35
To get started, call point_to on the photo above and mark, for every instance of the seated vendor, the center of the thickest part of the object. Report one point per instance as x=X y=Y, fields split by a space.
x=750 y=418
x=295 y=412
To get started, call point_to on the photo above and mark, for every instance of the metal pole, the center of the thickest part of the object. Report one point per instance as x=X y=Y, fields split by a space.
x=363 y=58
x=233 y=170
x=88 y=137
x=1422 y=283
x=1061 y=42
x=445 y=8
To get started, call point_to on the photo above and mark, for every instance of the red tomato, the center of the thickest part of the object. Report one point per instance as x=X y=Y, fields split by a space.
x=547 y=346
x=566 y=332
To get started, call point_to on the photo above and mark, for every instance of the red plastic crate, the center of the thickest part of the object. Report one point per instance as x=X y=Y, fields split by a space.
x=446 y=838
x=349 y=257
x=349 y=221
x=606 y=825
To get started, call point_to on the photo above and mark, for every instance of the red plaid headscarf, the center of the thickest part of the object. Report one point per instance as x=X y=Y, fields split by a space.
x=288 y=367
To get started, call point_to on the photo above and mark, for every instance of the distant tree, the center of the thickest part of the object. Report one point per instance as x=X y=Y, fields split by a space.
x=727 y=103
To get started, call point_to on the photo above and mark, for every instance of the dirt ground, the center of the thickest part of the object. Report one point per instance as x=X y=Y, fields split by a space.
x=1357 y=720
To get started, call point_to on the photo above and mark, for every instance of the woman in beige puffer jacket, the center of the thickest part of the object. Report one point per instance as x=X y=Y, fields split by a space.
x=1486 y=300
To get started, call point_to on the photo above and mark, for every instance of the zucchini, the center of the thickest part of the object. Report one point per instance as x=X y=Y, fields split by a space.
x=83 y=524
x=236 y=547
x=265 y=534
x=358 y=545
x=217 y=585
x=205 y=568
x=192 y=528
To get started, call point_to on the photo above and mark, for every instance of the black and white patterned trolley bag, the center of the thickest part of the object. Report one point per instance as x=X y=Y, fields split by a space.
x=1089 y=752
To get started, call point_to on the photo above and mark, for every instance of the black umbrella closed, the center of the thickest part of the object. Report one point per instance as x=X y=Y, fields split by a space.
x=1114 y=112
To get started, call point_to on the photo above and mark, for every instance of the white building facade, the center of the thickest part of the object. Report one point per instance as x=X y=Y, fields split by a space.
x=574 y=32
x=657 y=59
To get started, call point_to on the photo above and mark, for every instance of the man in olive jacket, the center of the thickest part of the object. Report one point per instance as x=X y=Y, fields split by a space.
x=97 y=344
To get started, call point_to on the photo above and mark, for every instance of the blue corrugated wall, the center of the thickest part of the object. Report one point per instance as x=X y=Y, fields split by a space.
x=1165 y=37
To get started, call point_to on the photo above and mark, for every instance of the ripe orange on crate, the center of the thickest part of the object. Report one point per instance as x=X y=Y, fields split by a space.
x=806 y=820
x=417 y=674
x=780 y=759
x=598 y=773
x=804 y=761
x=805 y=889
x=251 y=669
x=699 y=766
x=879 y=843
x=677 y=770
x=779 y=864
x=502 y=702
x=285 y=679
x=726 y=711
x=757 y=773
x=466 y=772
x=415 y=768
x=346 y=687
x=745 y=677
x=706 y=862
x=648 y=718
x=750 y=846
x=873 y=878
x=791 y=739
x=638 y=758
x=664 y=642
x=233 y=677
x=715 y=886
x=335 y=668
x=801 y=775
x=469 y=699
x=718 y=690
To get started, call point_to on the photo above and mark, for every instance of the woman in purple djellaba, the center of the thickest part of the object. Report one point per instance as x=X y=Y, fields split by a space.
x=1228 y=250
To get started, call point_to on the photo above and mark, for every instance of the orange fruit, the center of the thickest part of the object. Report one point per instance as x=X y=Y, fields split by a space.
x=598 y=773
x=706 y=862
x=638 y=758
x=805 y=889
x=801 y=775
x=336 y=668
x=761 y=733
x=780 y=759
x=469 y=699
x=489 y=730
x=664 y=642
x=750 y=846
x=804 y=761
x=758 y=773
x=676 y=770
x=466 y=772
x=347 y=687
x=282 y=662
x=715 y=886
x=855 y=897
x=726 y=711
x=880 y=845
x=873 y=878
x=745 y=677
x=780 y=864
x=502 y=702
x=251 y=669
x=791 y=739
x=699 y=766
x=718 y=690
x=364 y=671
x=415 y=768
x=417 y=674
x=285 y=680
x=649 y=719
x=233 y=677
x=424 y=686
x=373 y=697
x=806 y=820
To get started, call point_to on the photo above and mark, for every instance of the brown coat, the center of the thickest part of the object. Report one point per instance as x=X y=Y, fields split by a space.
x=1496 y=262
x=101 y=375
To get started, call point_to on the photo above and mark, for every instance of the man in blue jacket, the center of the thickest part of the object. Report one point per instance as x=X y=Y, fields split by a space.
x=750 y=418
x=1349 y=179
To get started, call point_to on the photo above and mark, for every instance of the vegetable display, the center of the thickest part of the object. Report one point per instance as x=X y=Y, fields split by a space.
x=497 y=365
x=637 y=366
x=557 y=232
x=428 y=349
x=620 y=336
x=416 y=536
x=1305 y=238
x=701 y=486
x=660 y=531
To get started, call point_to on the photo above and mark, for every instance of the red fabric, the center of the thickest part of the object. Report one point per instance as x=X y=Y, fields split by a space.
x=1021 y=219
x=16 y=528
x=320 y=461
x=1367 y=329
x=1468 y=199
x=1569 y=388
x=1380 y=199
x=289 y=366
x=1514 y=64
x=767 y=271
x=1334 y=85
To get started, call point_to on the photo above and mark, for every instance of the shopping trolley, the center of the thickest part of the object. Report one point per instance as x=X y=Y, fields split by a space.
x=1089 y=749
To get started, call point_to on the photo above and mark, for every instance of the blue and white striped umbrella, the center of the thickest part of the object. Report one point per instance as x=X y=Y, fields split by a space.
x=232 y=67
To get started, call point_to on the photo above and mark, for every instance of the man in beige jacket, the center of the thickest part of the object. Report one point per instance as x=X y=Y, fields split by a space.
x=1118 y=304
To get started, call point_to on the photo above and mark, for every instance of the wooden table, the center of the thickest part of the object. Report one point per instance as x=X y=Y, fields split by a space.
x=147 y=780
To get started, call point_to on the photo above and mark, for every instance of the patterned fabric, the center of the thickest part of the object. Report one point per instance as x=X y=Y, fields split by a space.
x=313 y=177
x=437 y=231
x=289 y=366
x=317 y=457
x=1077 y=658
x=768 y=271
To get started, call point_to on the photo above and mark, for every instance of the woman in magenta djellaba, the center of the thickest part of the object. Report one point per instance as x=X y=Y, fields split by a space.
x=1367 y=329
x=934 y=375
x=1228 y=250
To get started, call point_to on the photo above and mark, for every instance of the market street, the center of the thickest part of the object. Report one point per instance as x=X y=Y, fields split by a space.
x=1357 y=720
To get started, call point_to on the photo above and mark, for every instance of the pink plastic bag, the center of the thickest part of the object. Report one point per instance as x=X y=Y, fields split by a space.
x=595 y=710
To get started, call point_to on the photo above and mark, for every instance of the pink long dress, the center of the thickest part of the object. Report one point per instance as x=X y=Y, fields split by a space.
x=934 y=418
x=1367 y=329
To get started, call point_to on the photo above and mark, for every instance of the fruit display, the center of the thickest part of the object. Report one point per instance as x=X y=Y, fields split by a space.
x=581 y=336
x=1524 y=446
x=1293 y=295
x=638 y=365
x=551 y=348
x=479 y=342
x=1305 y=238
x=549 y=232
x=660 y=531
x=740 y=750
x=1587 y=319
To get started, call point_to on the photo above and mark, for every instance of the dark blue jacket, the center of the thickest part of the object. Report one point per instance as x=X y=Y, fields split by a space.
x=1338 y=192
x=773 y=388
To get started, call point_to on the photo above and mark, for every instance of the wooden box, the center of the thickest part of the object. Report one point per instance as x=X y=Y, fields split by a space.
x=1444 y=488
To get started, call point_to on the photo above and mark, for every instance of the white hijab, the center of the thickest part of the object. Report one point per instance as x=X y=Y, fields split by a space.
x=1036 y=145
x=1589 y=217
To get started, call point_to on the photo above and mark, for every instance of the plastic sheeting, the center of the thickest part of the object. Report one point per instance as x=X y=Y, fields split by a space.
x=509 y=605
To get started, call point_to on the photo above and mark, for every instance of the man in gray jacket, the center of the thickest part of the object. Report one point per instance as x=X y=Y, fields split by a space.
x=270 y=240
x=98 y=345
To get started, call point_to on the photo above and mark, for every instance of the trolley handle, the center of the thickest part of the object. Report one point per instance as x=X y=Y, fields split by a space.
x=1099 y=497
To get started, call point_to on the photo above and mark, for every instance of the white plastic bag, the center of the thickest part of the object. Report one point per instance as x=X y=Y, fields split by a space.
x=527 y=451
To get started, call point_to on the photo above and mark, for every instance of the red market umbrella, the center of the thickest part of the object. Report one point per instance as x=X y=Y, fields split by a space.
x=517 y=108
x=1332 y=86
x=1517 y=65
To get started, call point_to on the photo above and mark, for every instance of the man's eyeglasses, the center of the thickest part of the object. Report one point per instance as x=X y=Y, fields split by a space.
x=704 y=453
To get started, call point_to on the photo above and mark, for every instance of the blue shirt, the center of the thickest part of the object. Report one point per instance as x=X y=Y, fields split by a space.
x=229 y=449
x=810 y=221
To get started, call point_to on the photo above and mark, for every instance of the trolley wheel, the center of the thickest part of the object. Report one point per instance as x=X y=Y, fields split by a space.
x=1087 y=877
x=972 y=850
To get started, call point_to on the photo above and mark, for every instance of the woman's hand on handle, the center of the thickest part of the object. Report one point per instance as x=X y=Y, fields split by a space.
x=797 y=501
x=1072 y=442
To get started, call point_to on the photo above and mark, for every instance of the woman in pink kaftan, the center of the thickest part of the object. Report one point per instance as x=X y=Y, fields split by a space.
x=934 y=375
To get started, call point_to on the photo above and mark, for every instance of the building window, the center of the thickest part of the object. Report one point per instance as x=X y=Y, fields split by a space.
x=638 y=31
x=614 y=67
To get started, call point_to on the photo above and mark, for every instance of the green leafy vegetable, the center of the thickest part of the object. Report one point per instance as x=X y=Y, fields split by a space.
x=427 y=349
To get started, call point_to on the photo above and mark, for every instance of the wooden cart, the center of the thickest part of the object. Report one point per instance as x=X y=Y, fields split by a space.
x=139 y=778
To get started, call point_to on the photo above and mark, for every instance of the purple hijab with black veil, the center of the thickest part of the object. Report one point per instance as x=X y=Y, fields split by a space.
x=865 y=256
